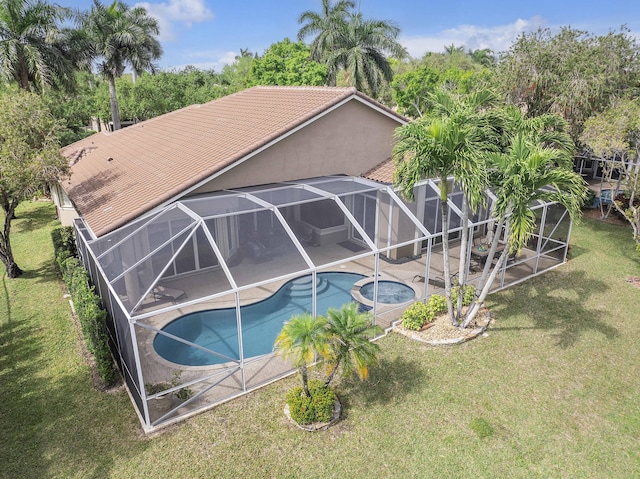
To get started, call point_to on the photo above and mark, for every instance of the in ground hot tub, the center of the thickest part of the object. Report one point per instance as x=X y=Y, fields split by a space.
x=389 y=292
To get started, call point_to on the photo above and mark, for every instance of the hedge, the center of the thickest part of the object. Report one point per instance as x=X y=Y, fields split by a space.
x=92 y=318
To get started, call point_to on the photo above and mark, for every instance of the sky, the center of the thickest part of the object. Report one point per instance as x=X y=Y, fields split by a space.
x=209 y=34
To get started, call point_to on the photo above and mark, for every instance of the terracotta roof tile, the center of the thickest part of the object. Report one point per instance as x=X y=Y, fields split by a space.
x=382 y=173
x=118 y=176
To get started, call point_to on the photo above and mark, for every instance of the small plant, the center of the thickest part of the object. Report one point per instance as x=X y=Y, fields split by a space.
x=415 y=316
x=316 y=408
x=467 y=295
x=155 y=388
x=419 y=314
x=183 y=394
x=437 y=303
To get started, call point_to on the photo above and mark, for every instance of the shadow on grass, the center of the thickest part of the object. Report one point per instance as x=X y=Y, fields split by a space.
x=548 y=301
x=390 y=380
x=44 y=274
x=53 y=423
x=32 y=220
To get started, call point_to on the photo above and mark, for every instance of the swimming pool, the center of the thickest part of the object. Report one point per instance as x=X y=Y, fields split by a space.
x=216 y=329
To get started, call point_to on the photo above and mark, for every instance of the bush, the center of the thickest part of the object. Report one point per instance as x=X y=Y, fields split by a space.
x=317 y=408
x=419 y=314
x=415 y=316
x=467 y=296
x=91 y=316
x=437 y=303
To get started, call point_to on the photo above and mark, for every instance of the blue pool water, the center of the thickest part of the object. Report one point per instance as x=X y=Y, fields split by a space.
x=216 y=329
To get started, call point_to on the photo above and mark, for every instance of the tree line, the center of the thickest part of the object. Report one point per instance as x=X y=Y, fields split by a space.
x=78 y=73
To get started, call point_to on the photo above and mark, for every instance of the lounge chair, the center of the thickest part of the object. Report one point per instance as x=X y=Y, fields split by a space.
x=159 y=292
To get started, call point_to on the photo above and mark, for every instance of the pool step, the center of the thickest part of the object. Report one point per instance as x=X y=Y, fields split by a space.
x=302 y=286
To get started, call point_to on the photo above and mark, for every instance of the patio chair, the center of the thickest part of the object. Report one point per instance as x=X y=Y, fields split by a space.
x=437 y=281
x=159 y=292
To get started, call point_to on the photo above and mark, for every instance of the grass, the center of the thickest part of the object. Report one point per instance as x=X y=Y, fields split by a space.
x=551 y=391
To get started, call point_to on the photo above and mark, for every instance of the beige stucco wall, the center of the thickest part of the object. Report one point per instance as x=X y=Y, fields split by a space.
x=67 y=215
x=350 y=140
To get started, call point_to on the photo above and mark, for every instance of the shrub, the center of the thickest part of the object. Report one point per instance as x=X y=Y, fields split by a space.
x=419 y=314
x=415 y=316
x=91 y=316
x=317 y=408
x=437 y=303
x=467 y=295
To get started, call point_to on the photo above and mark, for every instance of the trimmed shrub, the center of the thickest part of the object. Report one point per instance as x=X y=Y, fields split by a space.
x=91 y=316
x=317 y=408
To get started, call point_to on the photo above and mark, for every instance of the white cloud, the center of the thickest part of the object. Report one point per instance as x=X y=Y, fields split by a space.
x=186 y=12
x=498 y=38
x=208 y=60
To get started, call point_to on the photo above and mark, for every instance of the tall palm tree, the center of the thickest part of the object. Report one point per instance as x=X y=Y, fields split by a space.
x=524 y=174
x=121 y=36
x=300 y=340
x=350 y=332
x=325 y=25
x=361 y=50
x=33 y=48
x=346 y=41
x=448 y=143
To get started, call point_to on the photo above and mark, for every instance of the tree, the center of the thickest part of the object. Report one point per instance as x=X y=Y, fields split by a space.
x=300 y=340
x=74 y=107
x=572 y=74
x=287 y=63
x=449 y=145
x=34 y=50
x=29 y=157
x=529 y=170
x=362 y=50
x=484 y=57
x=350 y=332
x=614 y=135
x=347 y=42
x=452 y=49
x=325 y=25
x=411 y=90
x=119 y=36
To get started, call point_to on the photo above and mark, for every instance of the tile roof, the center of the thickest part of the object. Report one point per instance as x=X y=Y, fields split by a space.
x=118 y=176
x=382 y=173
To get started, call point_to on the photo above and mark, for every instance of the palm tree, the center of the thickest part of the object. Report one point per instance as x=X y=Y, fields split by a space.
x=120 y=36
x=346 y=41
x=528 y=171
x=325 y=25
x=484 y=57
x=33 y=49
x=452 y=49
x=300 y=340
x=350 y=332
x=450 y=142
x=361 y=51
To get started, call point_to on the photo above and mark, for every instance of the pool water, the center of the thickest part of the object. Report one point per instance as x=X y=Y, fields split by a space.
x=216 y=329
x=389 y=292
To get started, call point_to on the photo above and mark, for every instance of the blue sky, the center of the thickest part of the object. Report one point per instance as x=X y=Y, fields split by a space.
x=208 y=34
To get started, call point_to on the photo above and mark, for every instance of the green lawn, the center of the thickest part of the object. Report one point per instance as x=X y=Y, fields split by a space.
x=551 y=391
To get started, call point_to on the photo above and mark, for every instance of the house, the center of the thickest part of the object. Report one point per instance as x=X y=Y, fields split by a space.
x=257 y=136
x=205 y=229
